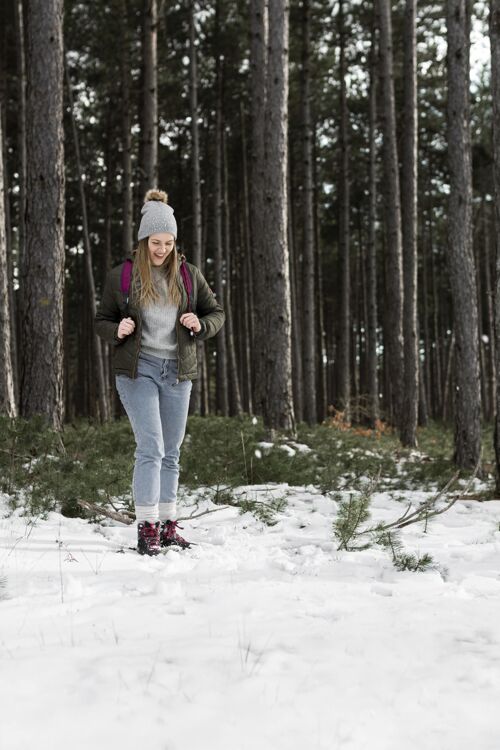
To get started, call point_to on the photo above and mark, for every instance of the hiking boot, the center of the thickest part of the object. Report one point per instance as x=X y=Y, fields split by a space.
x=148 y=538
x=169 y=535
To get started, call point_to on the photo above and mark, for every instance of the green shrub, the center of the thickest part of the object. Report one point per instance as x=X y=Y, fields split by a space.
x=45 y=470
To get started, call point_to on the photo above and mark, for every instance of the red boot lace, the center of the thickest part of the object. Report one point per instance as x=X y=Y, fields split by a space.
x=170 y=535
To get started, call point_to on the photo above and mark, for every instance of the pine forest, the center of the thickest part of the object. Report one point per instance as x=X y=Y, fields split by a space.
x=250 y=282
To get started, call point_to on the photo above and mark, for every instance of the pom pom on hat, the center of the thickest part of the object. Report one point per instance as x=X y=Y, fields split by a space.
x=157 y=215
x=156 y=195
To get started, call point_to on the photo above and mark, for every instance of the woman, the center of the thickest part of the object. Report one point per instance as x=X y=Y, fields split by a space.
x=154 y=329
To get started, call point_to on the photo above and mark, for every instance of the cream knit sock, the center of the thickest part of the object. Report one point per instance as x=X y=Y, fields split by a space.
x=146 y=513
x=168 y=511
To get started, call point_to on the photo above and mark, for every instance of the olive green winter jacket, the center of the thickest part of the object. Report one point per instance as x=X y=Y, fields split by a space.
x=126 y=351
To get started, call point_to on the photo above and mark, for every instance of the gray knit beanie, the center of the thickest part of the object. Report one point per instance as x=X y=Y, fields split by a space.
x=157 y=215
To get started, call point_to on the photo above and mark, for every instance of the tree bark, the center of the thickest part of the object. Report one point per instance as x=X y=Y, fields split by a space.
x=489 y=299
x=372 y=322
x=195 y=403
x=273 y=314
x=321 y=399
x=259 y=23
x=221 y=361
x=102 y=391
x=308 y=245
x=234 y=382
x=127 y=197
x=409 y=416
x=460 y=250
x=148 y=156
x=425 y=371
x=247 y=274
x=296 y=300
x=495 y=90
x=8 y=404
x=21 y=166
x=42 y=315
x=439 y=344
x=393 y=340
x=344 y=353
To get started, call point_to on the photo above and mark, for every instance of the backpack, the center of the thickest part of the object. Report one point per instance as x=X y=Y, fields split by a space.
x=126 y=276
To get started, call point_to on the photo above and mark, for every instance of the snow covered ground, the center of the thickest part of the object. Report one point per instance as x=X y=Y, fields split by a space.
x=258 y=638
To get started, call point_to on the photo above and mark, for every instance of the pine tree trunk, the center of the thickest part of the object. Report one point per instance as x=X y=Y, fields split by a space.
x=148 y=152
x=495 y=90
x=344 y=353
x=448 y=377
x=127 y=197
x=423 y=413
x=426 y=375
x=8 y=406
x=439 y=344
x=364 y=319
x=322 y=399
x=480 y=295
x=460 y=250
x=106 y=262
x=372 y=322
x=235 y=406
x=355 y=336
x=393 y=340
x=308 y=248
x=247 y=274
x=110 y=182
x=297 y=363
x=221 y=361
x=273 y=314
x=489 y=298
x=102 y=390
x=42 y=315
x=258 y=64
x=21 y=168
x=195 y=403
x=409 y=415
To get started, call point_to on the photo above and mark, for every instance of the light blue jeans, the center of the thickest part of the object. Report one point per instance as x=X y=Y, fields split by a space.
x=157 y=408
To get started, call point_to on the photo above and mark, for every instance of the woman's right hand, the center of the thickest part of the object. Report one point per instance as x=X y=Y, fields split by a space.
x=126 y=327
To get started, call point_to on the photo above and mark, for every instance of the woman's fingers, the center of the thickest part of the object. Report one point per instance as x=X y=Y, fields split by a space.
x=126 y=327
x=190 y=320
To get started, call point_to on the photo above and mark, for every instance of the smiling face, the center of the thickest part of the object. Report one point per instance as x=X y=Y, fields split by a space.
x=160 y=246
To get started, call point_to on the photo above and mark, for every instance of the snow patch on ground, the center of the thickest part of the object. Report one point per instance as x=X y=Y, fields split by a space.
x=259 y=636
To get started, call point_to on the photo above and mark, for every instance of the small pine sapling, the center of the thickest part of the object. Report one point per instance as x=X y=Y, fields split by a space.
x=354 y=512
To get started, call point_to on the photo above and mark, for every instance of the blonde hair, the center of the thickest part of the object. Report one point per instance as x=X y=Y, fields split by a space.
x=142 y=285
x=143 y=288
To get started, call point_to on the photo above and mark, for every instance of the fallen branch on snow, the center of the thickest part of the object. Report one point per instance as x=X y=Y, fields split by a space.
x=127 y=517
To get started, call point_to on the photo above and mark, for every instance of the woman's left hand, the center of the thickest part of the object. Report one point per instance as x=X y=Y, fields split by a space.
x=190 y=320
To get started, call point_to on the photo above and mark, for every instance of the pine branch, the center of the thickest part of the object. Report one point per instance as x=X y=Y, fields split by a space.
x=409 y=518
x=203 y=513
x=459 y=496
x=127 y=517
x=352 y=514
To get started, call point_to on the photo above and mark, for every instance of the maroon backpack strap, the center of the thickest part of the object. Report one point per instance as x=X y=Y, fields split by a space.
x=125 y=278
x=188 y=284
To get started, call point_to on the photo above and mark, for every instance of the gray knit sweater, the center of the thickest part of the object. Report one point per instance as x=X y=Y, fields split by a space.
x=159 y=336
